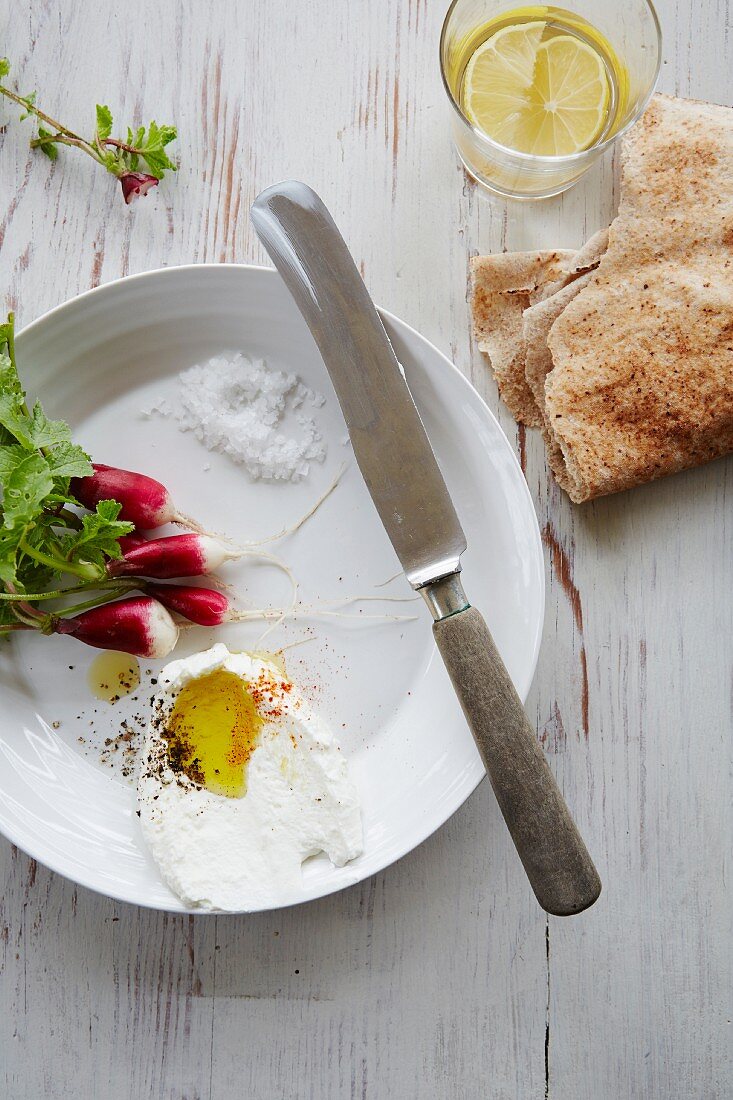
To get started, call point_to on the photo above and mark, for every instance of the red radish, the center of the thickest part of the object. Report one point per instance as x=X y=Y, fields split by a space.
x=138 y=625
x=205 y=607
x=202 y=606
x=175 y=556
x=131 y=542
x=145 y=502
x=148 y=504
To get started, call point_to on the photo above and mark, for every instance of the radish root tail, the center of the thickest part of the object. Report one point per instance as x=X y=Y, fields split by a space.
x=182 y=520
x=305 y=517
x=189 y=522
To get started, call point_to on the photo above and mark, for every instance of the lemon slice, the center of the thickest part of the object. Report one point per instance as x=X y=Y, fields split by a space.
x=549 y=98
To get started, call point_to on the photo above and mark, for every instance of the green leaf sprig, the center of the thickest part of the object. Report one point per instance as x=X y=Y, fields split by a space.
x=124 y=159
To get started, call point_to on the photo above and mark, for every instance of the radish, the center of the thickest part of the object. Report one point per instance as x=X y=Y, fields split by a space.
x=175 y=556
x=205 y=607
x=131 y=542
x=145 y=502
x=141 y=624
x=202 y=606
x=186 y=556
x=138 y=625
x=148 y=504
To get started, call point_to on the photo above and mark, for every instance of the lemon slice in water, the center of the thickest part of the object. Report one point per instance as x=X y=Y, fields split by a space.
x=550 y=97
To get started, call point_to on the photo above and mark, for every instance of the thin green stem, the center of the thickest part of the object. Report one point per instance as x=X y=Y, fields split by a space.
x=60 y=593
x=34 y=597
x=59 y=564
x=9 y=627
x=71 y=521
x=61 y=139
x=107 y=597
x=63 y=136
x=33 y=110
x=29 y=617
x=22 y=609
x=123 y=145
x=11 y=337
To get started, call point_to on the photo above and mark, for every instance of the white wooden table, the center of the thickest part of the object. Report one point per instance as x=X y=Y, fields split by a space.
x=440 y=977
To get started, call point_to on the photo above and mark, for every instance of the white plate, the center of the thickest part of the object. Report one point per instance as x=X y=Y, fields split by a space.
x=97 y=361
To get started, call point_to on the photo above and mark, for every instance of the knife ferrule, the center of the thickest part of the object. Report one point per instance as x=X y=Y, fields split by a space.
x=445 y=597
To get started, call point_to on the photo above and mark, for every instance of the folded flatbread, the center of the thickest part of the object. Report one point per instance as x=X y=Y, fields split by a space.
x=503 y=286
x=628 y=352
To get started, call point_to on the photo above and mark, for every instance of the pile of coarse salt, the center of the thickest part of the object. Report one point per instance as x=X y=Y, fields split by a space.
x=251 y=412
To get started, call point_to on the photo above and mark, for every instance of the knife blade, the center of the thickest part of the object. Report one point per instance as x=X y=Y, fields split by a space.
x=389 y=440
x=412 y=499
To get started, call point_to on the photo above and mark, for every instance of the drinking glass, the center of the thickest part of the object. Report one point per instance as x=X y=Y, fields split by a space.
x=632 y=29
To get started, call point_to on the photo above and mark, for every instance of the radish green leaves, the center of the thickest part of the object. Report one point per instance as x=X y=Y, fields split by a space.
x=41 y=537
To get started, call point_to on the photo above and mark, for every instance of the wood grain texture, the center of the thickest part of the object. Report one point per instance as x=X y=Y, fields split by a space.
x=439 y=978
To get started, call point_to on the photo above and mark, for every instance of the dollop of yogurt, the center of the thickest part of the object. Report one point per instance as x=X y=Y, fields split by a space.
x=241 y=853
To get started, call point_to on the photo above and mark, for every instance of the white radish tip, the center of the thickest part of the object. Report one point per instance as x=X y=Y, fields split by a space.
x=162 y=631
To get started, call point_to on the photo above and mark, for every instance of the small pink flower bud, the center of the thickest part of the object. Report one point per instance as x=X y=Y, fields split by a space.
x=135 y=184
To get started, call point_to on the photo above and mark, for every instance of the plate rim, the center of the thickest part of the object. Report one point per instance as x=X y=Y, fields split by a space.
x=463 y=794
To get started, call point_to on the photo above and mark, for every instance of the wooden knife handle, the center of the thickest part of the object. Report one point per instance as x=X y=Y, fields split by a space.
x=555 y=858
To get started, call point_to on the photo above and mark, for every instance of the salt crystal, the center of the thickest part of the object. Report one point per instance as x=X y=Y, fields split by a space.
x=161 y=406
x=242 y=408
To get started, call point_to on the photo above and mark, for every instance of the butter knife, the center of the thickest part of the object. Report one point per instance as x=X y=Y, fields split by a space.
x=412 y=499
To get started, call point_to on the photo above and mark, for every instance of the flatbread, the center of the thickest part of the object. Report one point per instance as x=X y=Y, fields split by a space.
x=625 y=354
x=503 y=285
x=536 y=324
x=642 y=378
x=585 y=259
